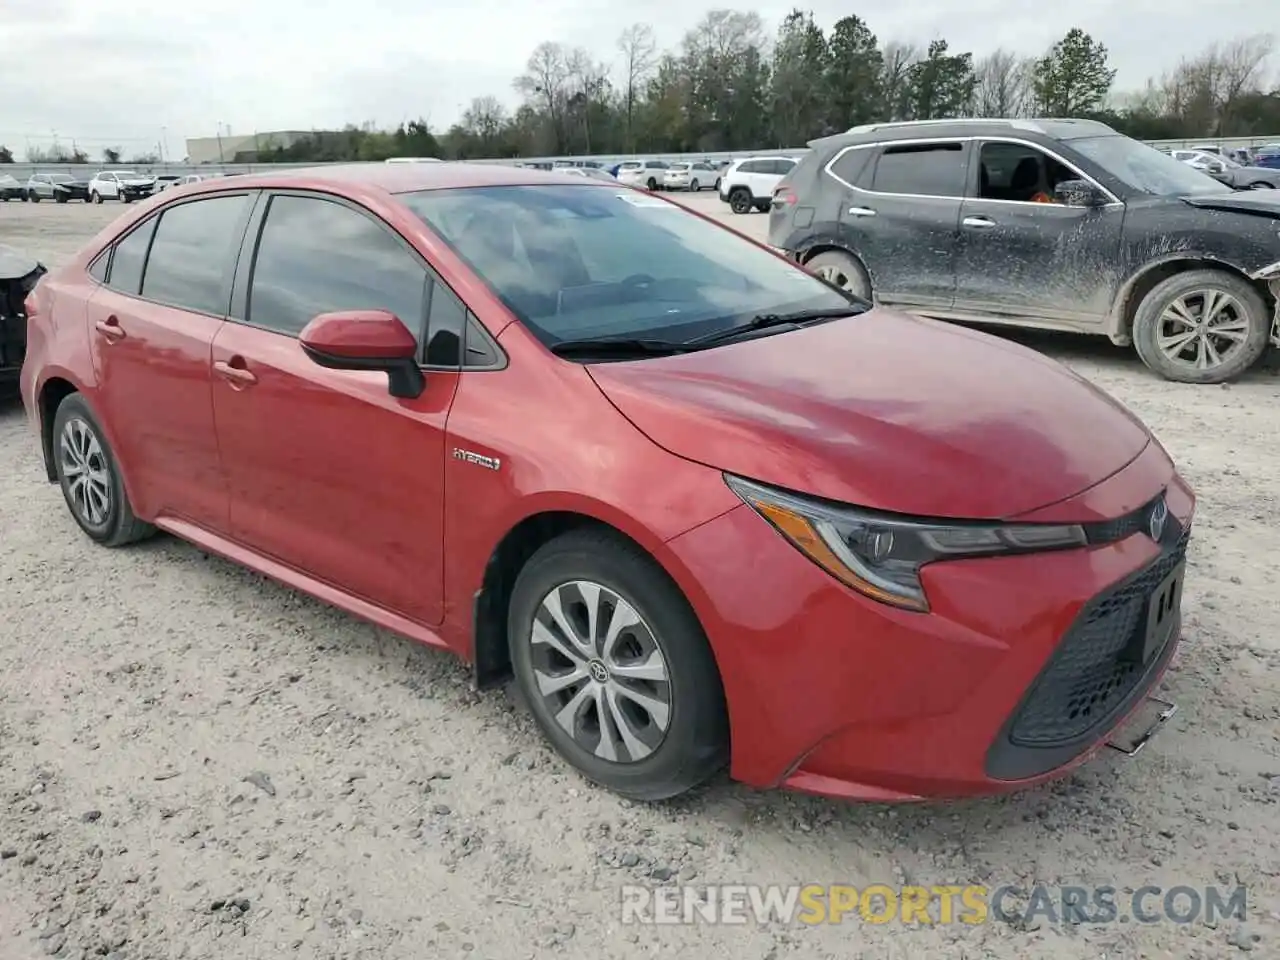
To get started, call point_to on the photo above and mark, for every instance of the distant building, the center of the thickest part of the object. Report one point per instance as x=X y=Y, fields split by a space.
x=241 y=148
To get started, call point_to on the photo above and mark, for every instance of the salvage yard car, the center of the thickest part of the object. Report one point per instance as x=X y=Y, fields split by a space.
x=11 y=189
x=59 y=187
x=1057 y=224
x=18 y=277
x=123 y=185
x=705 y=507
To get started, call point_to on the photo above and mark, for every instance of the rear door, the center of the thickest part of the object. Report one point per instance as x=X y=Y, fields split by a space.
x=902 y=217
x=1021 y=258
x=151 y=327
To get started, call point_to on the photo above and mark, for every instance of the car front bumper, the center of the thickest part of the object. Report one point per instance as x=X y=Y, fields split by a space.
x=834 y=694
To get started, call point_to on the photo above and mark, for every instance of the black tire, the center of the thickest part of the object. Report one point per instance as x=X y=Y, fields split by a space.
x=695 y=187
x=61 y=198
x=35 y=197
x=95 y=197
x=1252 y=310
x=124 y=198
x=119 y=525
x=763 y=205
x=652 y=184
x=695 y=745
x=1262 y=185
x=740 y=200
x=844 y=270
x=717 y=186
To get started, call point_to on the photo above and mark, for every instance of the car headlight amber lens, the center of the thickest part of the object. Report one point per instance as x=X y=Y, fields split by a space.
x=881 y=555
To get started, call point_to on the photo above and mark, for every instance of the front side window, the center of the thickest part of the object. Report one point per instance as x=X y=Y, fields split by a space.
x=318 y=256
x=1145 y=169
x=129 y=258
x=1019 y=172
x=585 y=261
x=187 y=267
x=921 y=169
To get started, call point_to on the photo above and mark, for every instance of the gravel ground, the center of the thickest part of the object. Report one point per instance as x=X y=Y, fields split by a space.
x=198 y=763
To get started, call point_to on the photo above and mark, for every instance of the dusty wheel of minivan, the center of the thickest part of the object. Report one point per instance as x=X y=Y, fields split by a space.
x=615 y=667
x=740 y=200
x=843 y=270
x=1202 y=326
x=90 y=478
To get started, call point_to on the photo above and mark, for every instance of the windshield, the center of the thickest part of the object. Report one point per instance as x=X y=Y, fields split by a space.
x=1146 y=169
x=680 y=167
x=632 y=165
x=585 y=261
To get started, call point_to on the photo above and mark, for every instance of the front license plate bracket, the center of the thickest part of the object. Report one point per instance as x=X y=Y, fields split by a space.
x=1163 y=711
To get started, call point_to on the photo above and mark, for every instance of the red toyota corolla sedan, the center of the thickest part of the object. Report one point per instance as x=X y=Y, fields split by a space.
x=703 y=506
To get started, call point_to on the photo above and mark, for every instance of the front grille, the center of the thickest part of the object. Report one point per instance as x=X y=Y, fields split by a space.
x=1135 y=521
x=1090 y=677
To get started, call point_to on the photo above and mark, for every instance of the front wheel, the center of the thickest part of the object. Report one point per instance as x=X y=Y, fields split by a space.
x=694 y=187
x=615 y=667
x=90 y=477
x=96 y=197
x=652 y=184
x=1202 y=326
x=35 y=197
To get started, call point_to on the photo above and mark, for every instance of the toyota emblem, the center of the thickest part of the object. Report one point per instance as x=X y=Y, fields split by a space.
x=1159 y=514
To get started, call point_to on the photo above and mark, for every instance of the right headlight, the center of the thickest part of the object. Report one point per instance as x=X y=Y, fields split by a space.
x=881 y=555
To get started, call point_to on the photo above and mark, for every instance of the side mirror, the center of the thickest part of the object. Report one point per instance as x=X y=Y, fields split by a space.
x=1078 y=193
x=366 y=340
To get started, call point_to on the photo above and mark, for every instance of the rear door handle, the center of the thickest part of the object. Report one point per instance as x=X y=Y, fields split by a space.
x=861 y=212
x=979 y=222
x=234 y=374
x=110 y=328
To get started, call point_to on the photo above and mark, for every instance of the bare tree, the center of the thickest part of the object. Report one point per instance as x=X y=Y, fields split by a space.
x=895 y=77
x=588 y=88
x=639 y=51
x=484 y=119
x=1204 y=91
x=545 y=81
x=1004 y=85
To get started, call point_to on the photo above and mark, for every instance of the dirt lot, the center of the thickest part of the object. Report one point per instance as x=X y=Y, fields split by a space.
x=197 y=763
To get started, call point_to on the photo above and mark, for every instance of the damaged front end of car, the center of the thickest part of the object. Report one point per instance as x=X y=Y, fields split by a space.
x=1270 y=275
x=19 y=275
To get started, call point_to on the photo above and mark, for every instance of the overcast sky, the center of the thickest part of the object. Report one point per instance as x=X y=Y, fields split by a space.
x=128 y=72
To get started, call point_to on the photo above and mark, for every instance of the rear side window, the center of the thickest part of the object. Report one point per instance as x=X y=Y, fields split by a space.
x=783 y=166
x=317 y=256
x=932 y=169
x=753 y=166
x=129 y=257
x=191 y=252
x=851 y=165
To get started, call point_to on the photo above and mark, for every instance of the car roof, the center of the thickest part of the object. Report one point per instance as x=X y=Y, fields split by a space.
x=1055 y=128
x=399 y=177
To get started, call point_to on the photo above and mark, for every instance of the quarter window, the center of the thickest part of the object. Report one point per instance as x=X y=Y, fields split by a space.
x=191 y=252
x=850 y=166
x=932 y=169
x=317 y=256
x=129 y=258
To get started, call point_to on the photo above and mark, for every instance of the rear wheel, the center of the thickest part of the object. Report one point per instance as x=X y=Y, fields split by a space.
x=843 y=270
x=740 y=200
x=1262 y=185
x=1202 y=326
x=616 y=668
x=90 y=477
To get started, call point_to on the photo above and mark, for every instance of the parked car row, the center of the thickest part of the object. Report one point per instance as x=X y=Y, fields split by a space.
x=123 y=185
x=1224 y=169
x=1062 y=225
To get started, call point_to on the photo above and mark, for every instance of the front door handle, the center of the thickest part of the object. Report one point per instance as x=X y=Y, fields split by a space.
x=237 y=376
x=861 y=212
x=111 y=329
x=979 y=222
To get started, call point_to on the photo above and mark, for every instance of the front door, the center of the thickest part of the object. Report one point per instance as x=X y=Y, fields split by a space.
x=151 y=328
x=329 y=473
x=1024 y=255
x=902 y=217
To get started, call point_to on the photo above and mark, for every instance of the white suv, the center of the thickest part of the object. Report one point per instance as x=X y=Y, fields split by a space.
x=124 y=185
x=646 y=174
x=749 y=183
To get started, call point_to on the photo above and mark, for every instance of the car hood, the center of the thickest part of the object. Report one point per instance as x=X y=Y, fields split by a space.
x=885 y=411
x=71 y=183
x=1246 y=201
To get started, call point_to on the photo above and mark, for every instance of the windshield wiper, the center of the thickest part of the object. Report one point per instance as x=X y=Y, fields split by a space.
x=617 y=346
x=765 y=320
